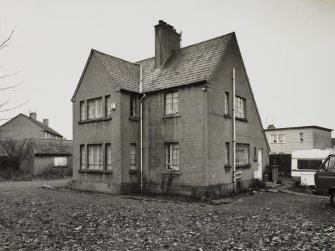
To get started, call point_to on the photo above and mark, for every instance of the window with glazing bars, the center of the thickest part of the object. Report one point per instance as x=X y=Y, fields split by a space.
x=172 y=156
x=242 y=153
x=108 y=154
x=94 y=107
x=240 y=107
x=133 y=101
x=82 y=157
x=171 y=103
x=132 y=156
x=95 y=157
x=226 y=103
x=108 y=106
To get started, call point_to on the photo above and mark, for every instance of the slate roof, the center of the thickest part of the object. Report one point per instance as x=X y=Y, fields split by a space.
x=124 y=74
x=184 y=66
x=43 y=126
x=52 y=147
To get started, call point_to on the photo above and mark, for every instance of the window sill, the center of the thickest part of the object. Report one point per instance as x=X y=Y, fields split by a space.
x=95 y=171
x=243 y=165
x=227 y=116
x=241 y=119
x=133 y=171
x=133 y=118
x=176 y=115
x=94 y=120
x=172 y=172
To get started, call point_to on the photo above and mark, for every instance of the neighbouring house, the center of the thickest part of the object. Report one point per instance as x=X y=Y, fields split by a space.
x=49 y=148
x=48 y=153
x=283 y=141
x=167 y=121
x=23 y=126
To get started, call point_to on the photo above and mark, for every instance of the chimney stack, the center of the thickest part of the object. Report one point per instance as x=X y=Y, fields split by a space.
x=46 y=122
x=271 y=126
x=166 y=40
x=33 y=115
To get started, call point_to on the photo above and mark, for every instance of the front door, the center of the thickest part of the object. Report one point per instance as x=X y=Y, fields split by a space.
x=259 y=173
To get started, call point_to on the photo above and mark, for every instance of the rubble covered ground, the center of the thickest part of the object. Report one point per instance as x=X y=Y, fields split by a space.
x=32 y=218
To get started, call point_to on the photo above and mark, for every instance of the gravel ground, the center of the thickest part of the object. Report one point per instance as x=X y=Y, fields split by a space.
x=32 y=218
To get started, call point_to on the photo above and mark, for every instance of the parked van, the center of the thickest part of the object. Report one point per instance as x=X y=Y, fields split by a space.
x=305 y=163
x=325 y=178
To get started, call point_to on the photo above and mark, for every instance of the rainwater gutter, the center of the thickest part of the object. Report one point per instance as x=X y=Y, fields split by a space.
x=141 y=127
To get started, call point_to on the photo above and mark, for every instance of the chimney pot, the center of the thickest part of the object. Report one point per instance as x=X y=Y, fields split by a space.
x=271 y=126
x=46 y=122
x=33 y=115
x=166 y=40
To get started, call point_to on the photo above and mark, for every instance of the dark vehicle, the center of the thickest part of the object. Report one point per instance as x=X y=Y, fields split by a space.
x=325 y=178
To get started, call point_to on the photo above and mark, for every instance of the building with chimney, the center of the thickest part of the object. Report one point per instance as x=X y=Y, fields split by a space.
x=49 y=148
x=167 y=123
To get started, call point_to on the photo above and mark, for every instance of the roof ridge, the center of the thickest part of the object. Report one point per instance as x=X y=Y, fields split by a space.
x=39 y=123
x=114 y=57
x=231 y=33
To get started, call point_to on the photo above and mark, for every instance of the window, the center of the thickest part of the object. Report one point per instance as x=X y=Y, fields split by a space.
x=94 y=107
x=108 y=106
x=172 y=156
x=95 y=157
x=132 y=156
x=171 y=103
x=309 y=164
x=82 y=157
x=240 y=107
x=281 y=138
x=274 y=138
x=82 y=111
x=330 y=164
x=301 y=135
x=60 y=161
x=108 y=155
x=242 y=154
x=226 y=103
x=133 y=101
x=227 y=154
x=255 y=154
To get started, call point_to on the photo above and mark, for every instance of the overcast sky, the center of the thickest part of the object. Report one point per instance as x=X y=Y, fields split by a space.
x=288 y=48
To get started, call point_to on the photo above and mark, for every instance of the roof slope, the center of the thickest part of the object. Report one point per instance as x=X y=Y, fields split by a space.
x=124 y=74
x=184 y=66
x=52 y=147
x=43 y=126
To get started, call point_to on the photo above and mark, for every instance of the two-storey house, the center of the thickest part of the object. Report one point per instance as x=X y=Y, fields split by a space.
x=168 y=116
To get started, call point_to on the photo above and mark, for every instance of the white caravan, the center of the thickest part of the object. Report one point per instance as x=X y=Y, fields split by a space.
x=305 y=163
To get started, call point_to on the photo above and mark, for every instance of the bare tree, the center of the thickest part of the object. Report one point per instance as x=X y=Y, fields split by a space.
x=3 y=104
x=14 y=152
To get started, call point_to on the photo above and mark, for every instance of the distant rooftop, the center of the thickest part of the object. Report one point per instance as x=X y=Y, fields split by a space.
x=272 y=128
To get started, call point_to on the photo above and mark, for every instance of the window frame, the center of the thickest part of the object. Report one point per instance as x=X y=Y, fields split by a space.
x=83 y=156
x=226 y=103
x=83 y=111
x=244 y=106
x=133 y=106
x=174 y=103
x=133 y=156
x=237 y=160
x=227 y=153
x=301 y=137
x=98 y=111
x=98 y=157
x=107 y=165
x=108 y=106
x=170 y=149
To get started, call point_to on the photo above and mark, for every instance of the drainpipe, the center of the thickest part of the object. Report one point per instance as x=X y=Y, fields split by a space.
x=141 y=127
x=234 y=132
